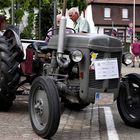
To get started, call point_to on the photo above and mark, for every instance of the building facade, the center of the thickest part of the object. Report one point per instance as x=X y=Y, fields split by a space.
x=119 y=15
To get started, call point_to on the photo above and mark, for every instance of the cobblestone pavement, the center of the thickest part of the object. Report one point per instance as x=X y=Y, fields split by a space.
x=84 y=125
x=15 y=124
x=129 y=69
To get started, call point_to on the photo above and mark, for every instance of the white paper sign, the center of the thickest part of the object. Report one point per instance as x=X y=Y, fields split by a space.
x=106 y=69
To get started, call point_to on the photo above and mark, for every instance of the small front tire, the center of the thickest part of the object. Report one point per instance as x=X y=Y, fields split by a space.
x=44 y=107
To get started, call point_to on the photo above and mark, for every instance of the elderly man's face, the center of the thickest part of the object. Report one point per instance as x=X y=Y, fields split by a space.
x=73 y=16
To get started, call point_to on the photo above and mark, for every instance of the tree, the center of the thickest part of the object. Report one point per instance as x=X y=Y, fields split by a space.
x=46 y=20
x=4 y=4
x=27 y=31
x=26 y=5
x=81 y=4
x=46 y=13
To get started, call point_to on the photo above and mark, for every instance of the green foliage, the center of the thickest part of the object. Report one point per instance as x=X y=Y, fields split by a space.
x=24 y=4
x=46 y=1
x=46 y=21
x=19 y=14
x=81 y=4
x=43 y=2
x=5 y=3
x=46 y=13
x=27 y=32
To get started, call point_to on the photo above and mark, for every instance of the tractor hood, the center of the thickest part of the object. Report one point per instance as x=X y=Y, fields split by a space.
x=90 y=41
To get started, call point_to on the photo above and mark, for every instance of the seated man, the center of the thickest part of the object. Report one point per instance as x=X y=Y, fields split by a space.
x=81 y=25
x=53 y=31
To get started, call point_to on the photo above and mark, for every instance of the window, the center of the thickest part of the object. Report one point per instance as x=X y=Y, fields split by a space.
x=107 y=31
x=121 y=34
x=124 y=13
x=107 y=13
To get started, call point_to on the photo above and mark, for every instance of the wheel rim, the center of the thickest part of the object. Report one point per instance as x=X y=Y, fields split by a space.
x=132 y=104
x=40 y=109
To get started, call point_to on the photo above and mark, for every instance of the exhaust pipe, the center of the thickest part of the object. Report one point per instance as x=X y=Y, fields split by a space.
x=62 y=29
x=61 y=37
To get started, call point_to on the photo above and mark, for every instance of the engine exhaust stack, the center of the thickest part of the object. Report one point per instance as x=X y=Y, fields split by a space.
x=62 y=29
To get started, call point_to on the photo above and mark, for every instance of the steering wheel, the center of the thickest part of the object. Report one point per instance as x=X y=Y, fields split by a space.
x=54 y=31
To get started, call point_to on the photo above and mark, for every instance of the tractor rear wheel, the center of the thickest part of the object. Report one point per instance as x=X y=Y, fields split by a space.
x=9 y=74
x=129 y=104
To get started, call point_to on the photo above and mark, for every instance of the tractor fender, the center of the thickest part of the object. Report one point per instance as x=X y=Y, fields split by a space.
x=14 y=41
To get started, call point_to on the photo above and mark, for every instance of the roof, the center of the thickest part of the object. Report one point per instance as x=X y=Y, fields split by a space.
x=114 y=1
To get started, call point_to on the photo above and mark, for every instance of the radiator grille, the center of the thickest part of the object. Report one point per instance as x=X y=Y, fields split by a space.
x=112 y=83
x=94 y=83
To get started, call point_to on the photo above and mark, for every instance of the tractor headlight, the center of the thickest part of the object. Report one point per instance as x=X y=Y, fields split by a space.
x=76 y=55
x=127 y=58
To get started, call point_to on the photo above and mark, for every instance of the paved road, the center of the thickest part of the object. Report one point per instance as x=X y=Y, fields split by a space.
x=129 y=69
x=93 y=123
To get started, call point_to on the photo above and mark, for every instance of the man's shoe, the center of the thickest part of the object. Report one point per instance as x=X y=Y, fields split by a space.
x=133 y=66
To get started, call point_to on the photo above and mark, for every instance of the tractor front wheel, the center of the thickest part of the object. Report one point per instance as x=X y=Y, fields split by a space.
x=44 y=107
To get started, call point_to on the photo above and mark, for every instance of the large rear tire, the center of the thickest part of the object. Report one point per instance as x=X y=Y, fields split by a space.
x=9 y=74
x=44 y=107
x=129 y=107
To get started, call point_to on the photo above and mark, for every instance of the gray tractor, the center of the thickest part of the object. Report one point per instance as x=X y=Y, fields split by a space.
x=87 y=71
x=80 y=69
x=76 y=69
